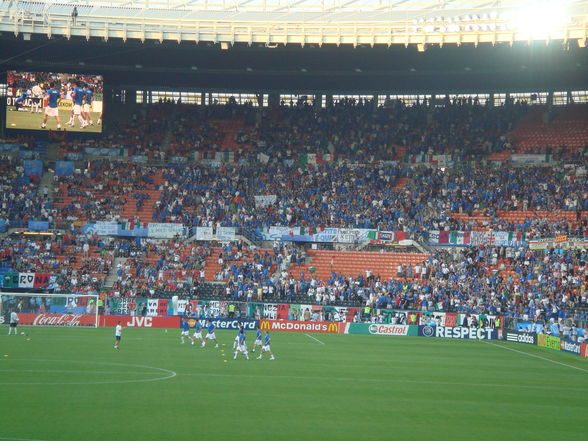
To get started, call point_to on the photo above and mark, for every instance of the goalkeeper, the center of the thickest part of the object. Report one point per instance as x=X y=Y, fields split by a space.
x=13 y=323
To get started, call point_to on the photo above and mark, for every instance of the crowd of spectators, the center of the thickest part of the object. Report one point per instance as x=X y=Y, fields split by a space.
x=363 y=196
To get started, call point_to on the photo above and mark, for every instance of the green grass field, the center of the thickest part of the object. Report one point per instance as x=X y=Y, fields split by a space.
x=32 y=121
x=61 y=384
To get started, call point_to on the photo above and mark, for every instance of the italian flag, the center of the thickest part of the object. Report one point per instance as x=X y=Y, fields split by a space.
x=312 y=159
x=311 y=230
x=455 y=237
x=517 y=237
x=225 y=156
x=131 y=225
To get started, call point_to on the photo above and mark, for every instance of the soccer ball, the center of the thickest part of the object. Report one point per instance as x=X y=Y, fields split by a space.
x=22 y=333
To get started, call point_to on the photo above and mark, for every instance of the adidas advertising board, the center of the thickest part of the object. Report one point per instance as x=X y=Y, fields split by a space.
x=521 y=337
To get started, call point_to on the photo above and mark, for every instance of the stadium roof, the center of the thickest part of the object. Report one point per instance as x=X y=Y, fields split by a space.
x=273 y=22
x=332 y=45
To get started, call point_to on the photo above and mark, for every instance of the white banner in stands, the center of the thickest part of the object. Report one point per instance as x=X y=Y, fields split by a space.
x=225 y=234
x=264 y=201
x=204 y=233
x=165 y=231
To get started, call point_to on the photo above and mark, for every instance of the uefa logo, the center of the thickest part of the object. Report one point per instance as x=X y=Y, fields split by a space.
x=428 y=331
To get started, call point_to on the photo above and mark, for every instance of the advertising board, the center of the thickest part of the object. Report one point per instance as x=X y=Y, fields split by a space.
x=57 y=319
x=292 y=326
x=548 y=341
x=139 y=321
x=381 y=329
x=520 y=337
x=459 y=332
x=222 y=323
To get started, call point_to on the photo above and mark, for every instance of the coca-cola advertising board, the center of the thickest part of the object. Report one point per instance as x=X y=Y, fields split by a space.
x=103 y=320
x=57 y=319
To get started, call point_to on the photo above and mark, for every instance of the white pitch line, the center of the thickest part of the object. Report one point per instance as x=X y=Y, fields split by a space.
x=51 y=371
x=20 y=439
x=537 y=356
x=169 y=373
x=314 y=338
x=380 y=380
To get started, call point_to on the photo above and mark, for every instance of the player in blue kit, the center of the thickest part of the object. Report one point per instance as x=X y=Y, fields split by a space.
x=210 y=333
x=87 y=109
x=185 y=330
x=266 y=347
x=53 y=98
x=20 y=101
x=198 y=333
x=77 y=95
x=241 y=346
x=258 y=337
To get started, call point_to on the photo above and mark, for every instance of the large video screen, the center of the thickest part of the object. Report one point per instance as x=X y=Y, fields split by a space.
x=54 y=101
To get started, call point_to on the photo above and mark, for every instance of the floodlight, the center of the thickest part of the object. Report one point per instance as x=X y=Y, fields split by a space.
x=540 y=19
x=429 y=28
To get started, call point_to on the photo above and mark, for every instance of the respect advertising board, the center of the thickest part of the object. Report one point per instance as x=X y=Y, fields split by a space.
x=548 y=341
x=223 y=323
x=293 y=326
x=459 y=332
x=380 y=329
x=520 y=337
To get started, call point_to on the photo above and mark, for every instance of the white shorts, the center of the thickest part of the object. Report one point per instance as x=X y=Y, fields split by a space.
x=257 y=342
x=51 y=111
x=265 y=348
x=211 y=336
x=198 y=335
x=242 y=348
x=185 y=333
x=86 y=108
x=77 y=109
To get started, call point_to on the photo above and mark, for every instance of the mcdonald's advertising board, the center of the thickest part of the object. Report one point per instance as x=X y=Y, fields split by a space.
x=292 y=326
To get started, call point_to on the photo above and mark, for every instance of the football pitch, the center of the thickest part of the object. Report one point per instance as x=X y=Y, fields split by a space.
x=32 y=121
x=69 y=384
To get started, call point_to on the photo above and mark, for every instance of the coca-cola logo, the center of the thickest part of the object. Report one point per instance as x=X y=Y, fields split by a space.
x=57 y=320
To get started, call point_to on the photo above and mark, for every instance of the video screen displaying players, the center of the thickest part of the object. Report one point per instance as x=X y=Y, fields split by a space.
x=54 y=101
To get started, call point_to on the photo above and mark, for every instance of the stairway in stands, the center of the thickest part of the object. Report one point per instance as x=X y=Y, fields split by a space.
x=230 y=128
x=145 y=213
x=400 y=183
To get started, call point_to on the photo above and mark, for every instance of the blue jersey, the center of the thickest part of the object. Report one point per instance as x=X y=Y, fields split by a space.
x=198 y=326
x=54 y=96
x=258 y=335
x=210 y=328
x=266 y=340
x=185 y=326
x=89 y=96
x=78 y=95
x=241 y=339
